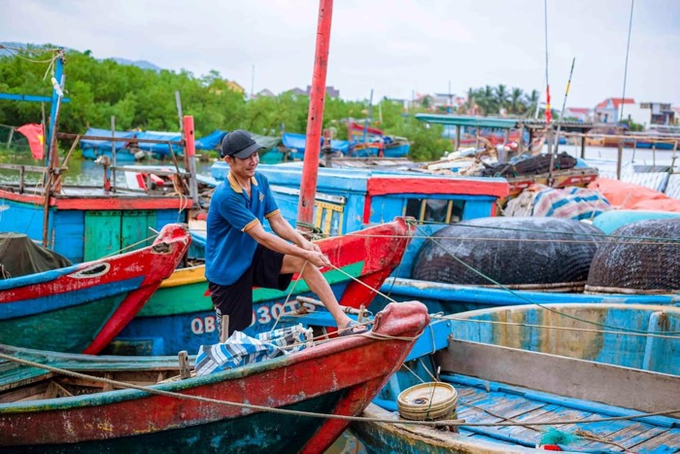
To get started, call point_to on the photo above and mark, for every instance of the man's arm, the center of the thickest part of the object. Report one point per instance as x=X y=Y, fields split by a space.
x=287 y=232
x=277 y=244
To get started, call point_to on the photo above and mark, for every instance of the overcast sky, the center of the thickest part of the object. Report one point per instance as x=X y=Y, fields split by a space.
x=397 y=47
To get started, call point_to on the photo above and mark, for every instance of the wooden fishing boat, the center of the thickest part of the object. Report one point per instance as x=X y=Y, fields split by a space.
x=180 y=314
x=337 y=377
x=610 y=372
x=85 y=223
x=540 y=261
x=80 y=308
x=350 y=198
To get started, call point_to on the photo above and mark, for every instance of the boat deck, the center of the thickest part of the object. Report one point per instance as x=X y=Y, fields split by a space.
x=503 y=403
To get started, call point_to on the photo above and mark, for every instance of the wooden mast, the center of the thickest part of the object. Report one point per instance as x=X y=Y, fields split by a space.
x=315 y=117
x=52 y=156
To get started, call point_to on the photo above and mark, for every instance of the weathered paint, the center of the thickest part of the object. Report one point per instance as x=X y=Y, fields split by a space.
x=607 y=347
x=547 y=352
x=373 y=196
x=101 y=201
x=452 y=298
x=431 y=185
x=73 y=230
x=82 y=307
x=348 y=372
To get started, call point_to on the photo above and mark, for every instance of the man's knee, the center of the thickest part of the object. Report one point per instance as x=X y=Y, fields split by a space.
x=291 y=264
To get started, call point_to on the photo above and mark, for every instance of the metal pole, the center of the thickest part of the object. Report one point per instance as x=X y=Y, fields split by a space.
x=178 y=103
x=57 y=94
x=625 y=71
x=619 y=156
x=583 y=146
x=113 y=152
x=457 y=137
x=564 y=105
x=190 y=153
x=315 y=117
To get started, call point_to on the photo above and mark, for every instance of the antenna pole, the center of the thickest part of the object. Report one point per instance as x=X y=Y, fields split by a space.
x=625 y=71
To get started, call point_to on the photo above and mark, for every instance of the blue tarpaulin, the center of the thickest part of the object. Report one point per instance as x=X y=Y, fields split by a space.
x=105 y=144
x=93 y=148
x=211 y=141
x=160 y=149
x=298 y=142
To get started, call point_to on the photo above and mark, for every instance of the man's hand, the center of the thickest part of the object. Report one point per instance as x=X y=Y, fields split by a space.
x=317 y=258
x=309 y=246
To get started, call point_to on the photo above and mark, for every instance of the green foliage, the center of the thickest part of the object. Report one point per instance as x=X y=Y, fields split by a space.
x=145 y=99
x=138 y=98
x=490 y=100
x=632 y=126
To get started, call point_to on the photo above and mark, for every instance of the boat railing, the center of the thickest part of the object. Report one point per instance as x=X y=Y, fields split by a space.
x=23 y=169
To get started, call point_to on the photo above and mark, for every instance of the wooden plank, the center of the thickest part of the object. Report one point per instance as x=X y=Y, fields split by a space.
x=20 y=167
x=26 y=393
x=135 y=228
x=669 y=440
x=633 y=434
x=102 y=234
x=569 y=377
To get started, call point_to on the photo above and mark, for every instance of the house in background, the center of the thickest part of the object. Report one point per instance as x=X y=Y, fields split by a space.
x=297 y=91
x=447 y=102
x=264 y=93
x=404 y=103
x=579 y=113
x=234 y=86
x=662 y=113
x=330 y=91
x=609 y=110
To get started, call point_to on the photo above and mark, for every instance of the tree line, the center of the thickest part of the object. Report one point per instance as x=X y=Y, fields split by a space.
x=145 y=99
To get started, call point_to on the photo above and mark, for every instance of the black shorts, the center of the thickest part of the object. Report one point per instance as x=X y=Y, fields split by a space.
x=236 y=300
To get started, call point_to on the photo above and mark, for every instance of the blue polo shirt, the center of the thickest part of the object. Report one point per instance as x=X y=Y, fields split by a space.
x=229 y=249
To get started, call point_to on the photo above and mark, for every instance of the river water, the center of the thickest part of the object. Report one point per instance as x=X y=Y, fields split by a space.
x=85 y=172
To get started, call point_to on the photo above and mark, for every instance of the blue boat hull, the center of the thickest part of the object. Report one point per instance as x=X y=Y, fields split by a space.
x=526 y=364
x=169 y=334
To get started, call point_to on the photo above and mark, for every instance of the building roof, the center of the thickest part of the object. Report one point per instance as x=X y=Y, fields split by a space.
x=265 y=92
x=580 y=110
x=616 y=101
x=465 y=120
x=501 y=123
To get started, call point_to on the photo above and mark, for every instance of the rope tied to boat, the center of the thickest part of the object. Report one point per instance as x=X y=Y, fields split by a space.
x=161 y=392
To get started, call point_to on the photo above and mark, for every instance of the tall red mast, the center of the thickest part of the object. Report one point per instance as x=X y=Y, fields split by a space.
x=315 y=116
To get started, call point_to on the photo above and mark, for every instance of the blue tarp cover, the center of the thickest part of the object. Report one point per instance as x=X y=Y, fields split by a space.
x=159 y=148
x=209 y=142
x=105 y=144
x=299 y=141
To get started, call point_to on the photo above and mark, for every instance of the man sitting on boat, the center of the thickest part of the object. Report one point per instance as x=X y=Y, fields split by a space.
x=240 y=254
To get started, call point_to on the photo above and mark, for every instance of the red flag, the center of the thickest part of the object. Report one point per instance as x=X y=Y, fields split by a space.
x=36 y=138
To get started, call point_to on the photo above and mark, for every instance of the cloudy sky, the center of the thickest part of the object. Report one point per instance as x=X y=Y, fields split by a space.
x=397 y=47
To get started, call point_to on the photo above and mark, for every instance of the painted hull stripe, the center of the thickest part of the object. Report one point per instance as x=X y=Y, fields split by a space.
x=37 y=306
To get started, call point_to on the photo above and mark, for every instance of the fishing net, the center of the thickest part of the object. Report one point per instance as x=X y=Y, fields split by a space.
x=645 y=258
x=525 y=253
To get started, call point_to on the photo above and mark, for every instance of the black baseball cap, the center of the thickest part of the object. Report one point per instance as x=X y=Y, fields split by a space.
x=239 y=143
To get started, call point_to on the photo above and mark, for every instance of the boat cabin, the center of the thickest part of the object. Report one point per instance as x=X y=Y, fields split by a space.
x=348 y=200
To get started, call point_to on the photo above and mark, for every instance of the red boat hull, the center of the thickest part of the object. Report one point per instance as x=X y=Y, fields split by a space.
x=338 y=377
